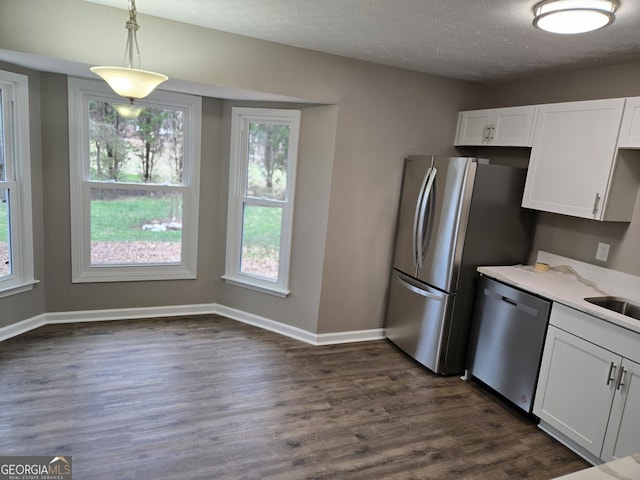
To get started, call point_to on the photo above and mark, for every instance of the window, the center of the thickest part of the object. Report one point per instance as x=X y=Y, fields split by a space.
x=134 y=184
x=264 y=145
x=16 y=231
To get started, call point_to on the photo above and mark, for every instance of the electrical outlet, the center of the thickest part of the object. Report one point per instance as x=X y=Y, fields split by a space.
x=602 y=253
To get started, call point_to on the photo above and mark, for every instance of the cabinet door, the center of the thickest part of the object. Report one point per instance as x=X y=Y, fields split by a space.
x=623 y=432
x=630 y=130
x=572 y=157
x=574 y=391
x=512 y=127
x=473 y=127
x=501 y=127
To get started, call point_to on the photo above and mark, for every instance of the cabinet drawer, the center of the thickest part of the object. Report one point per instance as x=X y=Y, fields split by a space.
x=597 y=331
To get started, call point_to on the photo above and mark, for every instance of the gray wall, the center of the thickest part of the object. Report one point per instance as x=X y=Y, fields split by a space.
x=568 y=236
x=364 y=119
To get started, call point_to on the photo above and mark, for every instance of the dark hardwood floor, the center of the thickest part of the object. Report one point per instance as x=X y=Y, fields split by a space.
x=209 y=398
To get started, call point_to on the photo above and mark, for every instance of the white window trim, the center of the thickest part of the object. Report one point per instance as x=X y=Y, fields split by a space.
x=18 y=157
x=240 y=119
x=80 y=91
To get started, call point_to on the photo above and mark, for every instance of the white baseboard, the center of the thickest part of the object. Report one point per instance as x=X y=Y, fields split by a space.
x=349 y=337
x=128 y=313
x=183 y=310
x=267 y=324
x=24 y=326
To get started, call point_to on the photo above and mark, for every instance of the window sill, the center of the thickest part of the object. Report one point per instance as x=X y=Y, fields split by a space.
x=269 y=290
x=133 y=273
x=6 y=291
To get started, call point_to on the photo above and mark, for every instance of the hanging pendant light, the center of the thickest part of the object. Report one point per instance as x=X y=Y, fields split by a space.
x=573 y=16
x=127 y=110
x=129 y=82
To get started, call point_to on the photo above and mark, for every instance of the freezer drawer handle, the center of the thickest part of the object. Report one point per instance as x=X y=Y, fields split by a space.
x=417 y=290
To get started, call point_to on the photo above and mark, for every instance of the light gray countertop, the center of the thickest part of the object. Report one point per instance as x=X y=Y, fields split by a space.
x=570 y=282
x=627 y=468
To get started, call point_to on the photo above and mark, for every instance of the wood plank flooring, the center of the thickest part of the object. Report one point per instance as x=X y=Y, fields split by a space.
x=205 y=397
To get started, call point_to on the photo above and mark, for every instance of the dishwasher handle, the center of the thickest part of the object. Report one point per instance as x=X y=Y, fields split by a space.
x=509 y=301
x=514 y=303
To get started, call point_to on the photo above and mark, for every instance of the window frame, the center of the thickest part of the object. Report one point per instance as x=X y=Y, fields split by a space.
x=15 y=111
x=241 y=117
x=80 y=92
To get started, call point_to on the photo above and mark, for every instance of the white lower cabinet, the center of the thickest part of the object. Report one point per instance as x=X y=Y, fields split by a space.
x=574 y=395
x=588 y=396
x=623 y=434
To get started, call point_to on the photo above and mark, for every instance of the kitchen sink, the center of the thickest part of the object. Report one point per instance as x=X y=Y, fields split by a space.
x=618 y=305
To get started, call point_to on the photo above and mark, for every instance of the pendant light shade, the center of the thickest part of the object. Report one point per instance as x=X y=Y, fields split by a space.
x=573 y=16
x=129 y=82
x=127 y=110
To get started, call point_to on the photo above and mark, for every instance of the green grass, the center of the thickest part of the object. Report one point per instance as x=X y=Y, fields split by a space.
x=261 y=227
x=121 y=219
x=4 y=223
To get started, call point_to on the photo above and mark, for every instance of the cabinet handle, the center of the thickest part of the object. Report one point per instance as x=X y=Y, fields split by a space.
x=487 y=132
x=612 y=368
x=492 y=132
x=596 y=203
x=619 y=379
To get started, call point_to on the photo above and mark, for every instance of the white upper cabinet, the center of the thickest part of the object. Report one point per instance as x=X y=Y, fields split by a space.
x=630 y=129
x=500 y=127
x=575 y=167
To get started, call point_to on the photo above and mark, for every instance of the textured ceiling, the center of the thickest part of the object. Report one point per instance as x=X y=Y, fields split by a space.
x=480 y=40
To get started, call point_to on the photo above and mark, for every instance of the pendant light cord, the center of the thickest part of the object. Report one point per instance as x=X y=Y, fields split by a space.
x=132 y=38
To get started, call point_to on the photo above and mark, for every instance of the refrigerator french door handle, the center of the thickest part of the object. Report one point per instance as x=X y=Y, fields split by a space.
x=417 y=290
x=417 y=215
x=419 y=238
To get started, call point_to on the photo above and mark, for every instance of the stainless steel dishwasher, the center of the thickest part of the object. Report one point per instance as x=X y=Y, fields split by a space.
x=506 y=340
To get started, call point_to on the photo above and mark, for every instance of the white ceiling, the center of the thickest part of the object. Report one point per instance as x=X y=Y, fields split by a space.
x=479 y=40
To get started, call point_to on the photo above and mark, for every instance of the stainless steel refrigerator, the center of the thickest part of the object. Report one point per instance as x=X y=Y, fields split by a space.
x=455 y=213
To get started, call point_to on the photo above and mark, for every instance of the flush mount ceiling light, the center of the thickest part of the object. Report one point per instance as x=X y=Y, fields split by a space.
x=129 y=82
x=573 y=16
